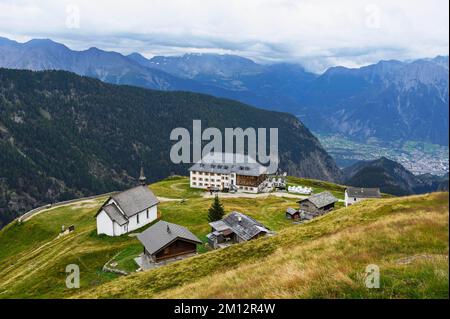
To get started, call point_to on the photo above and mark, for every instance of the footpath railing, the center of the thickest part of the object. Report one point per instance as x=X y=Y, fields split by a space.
x=30 y=213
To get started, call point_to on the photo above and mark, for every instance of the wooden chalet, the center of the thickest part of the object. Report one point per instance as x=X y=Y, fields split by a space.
x=165 y=240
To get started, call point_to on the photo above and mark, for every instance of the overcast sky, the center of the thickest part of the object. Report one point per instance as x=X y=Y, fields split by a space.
x=315 y=33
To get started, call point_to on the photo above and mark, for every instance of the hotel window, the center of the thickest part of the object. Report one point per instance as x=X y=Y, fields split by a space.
x=194 y=183
x=137 y=219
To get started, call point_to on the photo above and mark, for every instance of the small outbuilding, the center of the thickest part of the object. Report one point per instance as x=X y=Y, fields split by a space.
x=318 y=204
x=357 y=194
x=165 y=240
x=292 y=213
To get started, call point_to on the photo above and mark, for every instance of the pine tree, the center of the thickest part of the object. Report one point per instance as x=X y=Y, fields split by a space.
x=216 y=210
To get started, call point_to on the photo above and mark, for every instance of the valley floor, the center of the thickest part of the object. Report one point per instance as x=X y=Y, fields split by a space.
x=417 y=157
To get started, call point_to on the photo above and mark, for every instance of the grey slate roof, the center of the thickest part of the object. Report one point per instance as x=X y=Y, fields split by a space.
x=135 y=200
x=219 y=225
x=239 y=166
x=113 y=212
x=359 y=192
x=157 y=236
x=321 y=200
x=242 y=225
x=291 y=211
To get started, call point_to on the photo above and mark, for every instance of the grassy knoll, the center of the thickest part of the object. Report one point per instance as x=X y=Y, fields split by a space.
x=175 y=187
x=325 y=258
x=125 y=258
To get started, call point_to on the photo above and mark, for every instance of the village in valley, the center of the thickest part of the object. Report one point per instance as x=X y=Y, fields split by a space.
x=134 y=213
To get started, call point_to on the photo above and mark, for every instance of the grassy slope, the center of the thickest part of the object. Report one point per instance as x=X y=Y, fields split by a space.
x=33 y=259
x=175 y=187
x=323 y=258
x=406 y=237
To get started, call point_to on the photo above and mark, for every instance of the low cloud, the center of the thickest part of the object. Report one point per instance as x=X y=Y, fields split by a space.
x=315 y=33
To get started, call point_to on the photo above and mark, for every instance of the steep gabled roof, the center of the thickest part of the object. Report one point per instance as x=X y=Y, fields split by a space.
x=321 y=200
x=242 y=225
x=135 y=200
x=360 y=192
x=162 y=234
x=113 y=212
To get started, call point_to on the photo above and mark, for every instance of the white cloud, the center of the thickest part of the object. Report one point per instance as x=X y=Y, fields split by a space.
x=317 y=33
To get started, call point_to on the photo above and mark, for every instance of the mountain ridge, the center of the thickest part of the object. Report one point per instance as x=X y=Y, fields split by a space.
x=387 y=101
x=392 y=178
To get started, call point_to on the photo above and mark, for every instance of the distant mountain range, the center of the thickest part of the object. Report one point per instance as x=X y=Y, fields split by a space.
x=387 y=101
x=392 y=178
x=64 y=136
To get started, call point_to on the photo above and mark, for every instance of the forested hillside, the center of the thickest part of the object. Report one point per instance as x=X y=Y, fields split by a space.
x=64 y=136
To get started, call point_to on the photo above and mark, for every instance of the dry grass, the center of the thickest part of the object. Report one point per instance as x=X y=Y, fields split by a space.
x=325 y=258
x=324 y=268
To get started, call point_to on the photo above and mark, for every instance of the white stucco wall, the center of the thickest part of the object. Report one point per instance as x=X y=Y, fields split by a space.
x=143 y=220
x=203 y=180
x=352 y=200
x=248 y=189
x=220 y=181
x=120 y=230
x=104 y=224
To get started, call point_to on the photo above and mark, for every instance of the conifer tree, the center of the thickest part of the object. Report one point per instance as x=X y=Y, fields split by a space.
x=216 y=211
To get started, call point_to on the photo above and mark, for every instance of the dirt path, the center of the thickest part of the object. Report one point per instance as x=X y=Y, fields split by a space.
x=92 y=202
